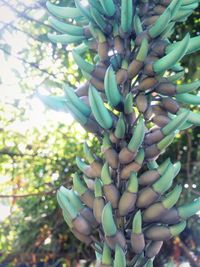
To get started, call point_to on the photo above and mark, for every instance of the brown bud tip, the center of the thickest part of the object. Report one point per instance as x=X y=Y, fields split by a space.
x=158 y=47
x=161 y=120
x=83 y=238
x=117 y=239
x=92 y=127
x=154 y=212
x=121 y=76
x=98 y=206
x=112 y=194
x=137 y=243
x=146 y=197
x=151 y=58
x=150 y=20
x=88 y=215
x=154 y=137
x=127 y=203
x=153 y=249
x=99 y=72
x=148 y=177
x=126 y=156
x=148 y=113
x=158 y=233
x=147 y=83
x=119 y=45
x=82 y=90
x=140 y=37
x=141 y=103
x=96 y=168
x=166 y=89
x=112 y=158
x=148 y=69
x=88 y=198
x=165 y=2
x=134 y=68
x=81 y=225
x=98 y=84
x=103 y=49
x=158 y=110
x=170 y=217
x=151 y=152
x=126 y=171
x=170 y=105
x=113 y=138
x=159 y=9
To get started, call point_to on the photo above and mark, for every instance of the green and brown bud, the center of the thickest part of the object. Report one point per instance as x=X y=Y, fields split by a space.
x=128 y=154
x=92 y=171
x=112 y=235
x=122 y=74
x=99 y=201
x=128 y=109
x=169 y=128
x=86 y=195
x=82 y=90
x=135 y=166
x=77 y=221
x=161 y=233
x=151 y=176
x=78 y=205
x=174 y=215
x=109 y=153
x=110 y=190
x=155 y=149
x=137 y=237
x=150 y=194
x=128 y=198
x=120 y=130
x=154 y=212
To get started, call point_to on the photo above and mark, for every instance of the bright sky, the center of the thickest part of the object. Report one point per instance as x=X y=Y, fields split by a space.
x=10 y=90
x=9 y=87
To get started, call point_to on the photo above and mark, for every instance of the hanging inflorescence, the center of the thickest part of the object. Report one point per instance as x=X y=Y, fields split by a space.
x=123 y=204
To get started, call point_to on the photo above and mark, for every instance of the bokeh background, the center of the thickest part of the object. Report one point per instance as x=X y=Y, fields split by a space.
x=38 y=146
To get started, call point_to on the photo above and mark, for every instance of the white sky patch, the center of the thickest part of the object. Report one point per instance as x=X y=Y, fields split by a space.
x=4 y=179
x=47 y=241
x=4 y=212
x=10 y=90
x=6 y=15
x=84 y=2
x=12 y=70
x=39 y=14
x=185 y=264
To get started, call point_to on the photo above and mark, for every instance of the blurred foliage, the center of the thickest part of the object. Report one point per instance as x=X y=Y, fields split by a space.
x=35 y=161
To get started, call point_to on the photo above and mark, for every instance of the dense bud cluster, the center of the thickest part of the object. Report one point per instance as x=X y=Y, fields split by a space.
x=124 y=204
